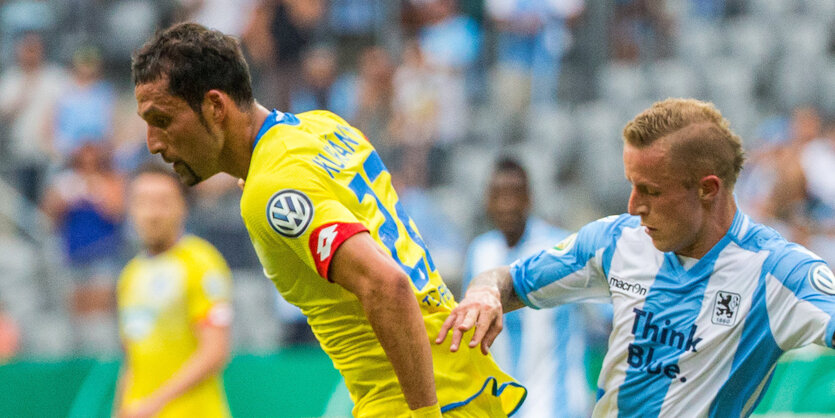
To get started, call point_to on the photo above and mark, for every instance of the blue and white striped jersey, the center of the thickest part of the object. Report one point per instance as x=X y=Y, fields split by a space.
x=543 y=349
x=698 y=341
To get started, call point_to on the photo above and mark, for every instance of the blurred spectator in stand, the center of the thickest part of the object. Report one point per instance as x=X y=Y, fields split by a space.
x=711 y=10
x=641 y=30
x=756 y=181
x=532 y=36
x=363 y=98
x=9 y=337
x=18 y=17
x=430 y=107
x=787 y=206
x=355 y=22
x=818 y=162
x=215 y=216
x=374 y=95
x=415 y=110
x=277 y=34
x=802 y=200
x=322 y=87
x=450 y=43
x=28 y=92
x=84 y=113
x=542 y=348
x=130 y=150
x=86 y=205
x=227 y=16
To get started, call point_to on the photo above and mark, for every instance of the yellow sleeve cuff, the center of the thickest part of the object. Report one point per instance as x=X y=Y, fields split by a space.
x=433 y=411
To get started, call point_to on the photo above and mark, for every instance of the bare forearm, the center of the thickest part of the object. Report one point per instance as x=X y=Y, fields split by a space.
x=489 y=296
x=499 y=279
x=395 y=317
x=125 y=378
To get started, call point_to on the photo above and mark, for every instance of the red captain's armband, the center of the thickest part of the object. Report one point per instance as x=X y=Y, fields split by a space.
x=325 y=239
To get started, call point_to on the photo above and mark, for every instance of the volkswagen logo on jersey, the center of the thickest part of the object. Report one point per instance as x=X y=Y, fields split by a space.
x=289 y=212
x=822 y=279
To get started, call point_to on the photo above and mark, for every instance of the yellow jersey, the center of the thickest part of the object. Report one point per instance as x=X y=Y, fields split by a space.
x=161 y=301
x=313 y=182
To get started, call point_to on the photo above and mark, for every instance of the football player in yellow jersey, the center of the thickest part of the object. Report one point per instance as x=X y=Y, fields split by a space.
x=174 y=310
x=327 y=226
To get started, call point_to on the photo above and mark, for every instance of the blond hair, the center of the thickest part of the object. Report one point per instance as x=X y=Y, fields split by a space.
x=700 y=139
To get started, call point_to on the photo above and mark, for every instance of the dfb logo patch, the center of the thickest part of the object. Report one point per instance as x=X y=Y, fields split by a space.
x=289 y=212
x=725 y=308
x=822 y=279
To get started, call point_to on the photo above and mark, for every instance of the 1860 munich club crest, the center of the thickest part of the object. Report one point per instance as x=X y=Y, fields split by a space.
x=289 y=212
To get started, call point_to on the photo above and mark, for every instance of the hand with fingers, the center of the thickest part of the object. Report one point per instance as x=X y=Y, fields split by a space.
x=482 y=309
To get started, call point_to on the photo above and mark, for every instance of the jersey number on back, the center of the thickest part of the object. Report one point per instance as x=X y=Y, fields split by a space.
x=389 y=230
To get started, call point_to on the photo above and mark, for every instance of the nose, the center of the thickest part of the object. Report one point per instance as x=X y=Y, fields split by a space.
x=636 y=206
x=155 y=146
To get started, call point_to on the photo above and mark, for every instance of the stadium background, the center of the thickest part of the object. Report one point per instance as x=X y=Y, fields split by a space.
x=441 y=87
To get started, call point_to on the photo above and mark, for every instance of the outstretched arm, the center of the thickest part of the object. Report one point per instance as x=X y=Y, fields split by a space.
x=490 y=295
x=386 y=296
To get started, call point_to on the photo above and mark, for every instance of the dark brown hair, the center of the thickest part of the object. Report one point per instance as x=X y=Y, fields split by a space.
x=195 y=60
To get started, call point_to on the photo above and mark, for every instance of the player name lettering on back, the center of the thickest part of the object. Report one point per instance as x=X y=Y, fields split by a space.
x=438 y=296
x=337 y=152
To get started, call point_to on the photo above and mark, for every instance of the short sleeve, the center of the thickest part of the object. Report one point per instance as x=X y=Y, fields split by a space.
x=572 y=271
x=210 y=290
x=800 y=296
x=303 y=213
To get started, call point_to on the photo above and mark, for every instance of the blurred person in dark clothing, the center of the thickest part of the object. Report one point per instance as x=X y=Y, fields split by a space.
x=86 y=202
x=276 y=36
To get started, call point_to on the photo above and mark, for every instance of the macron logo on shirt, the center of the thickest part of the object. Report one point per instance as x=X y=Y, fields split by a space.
x=621 y=284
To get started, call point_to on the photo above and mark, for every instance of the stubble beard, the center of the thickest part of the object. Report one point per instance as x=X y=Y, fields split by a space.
x=187 y=174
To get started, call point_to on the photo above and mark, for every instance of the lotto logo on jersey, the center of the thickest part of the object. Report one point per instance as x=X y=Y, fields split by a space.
x=725 y=308
x=325 y=239
x=289 y=212
x=822 y=279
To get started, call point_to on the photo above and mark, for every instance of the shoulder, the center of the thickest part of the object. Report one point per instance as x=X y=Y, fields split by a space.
x=789 y=262
x=608 y=229
x=129 y=269
x=197 y=253
x=322 y=115
x=781 y=252
x=265 y=180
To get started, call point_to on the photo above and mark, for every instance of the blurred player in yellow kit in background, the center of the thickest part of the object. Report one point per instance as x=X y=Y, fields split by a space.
x=327 y=225
x=174 y=309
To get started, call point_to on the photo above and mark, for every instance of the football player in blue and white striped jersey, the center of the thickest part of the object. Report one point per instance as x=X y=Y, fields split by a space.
x=705 y=300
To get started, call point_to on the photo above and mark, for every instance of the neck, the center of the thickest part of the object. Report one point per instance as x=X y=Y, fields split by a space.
x=159 y=247
x=720 y=217
x=242 y=128
x=513 y=237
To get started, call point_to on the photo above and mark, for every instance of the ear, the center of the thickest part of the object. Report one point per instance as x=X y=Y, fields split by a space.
x=709 y=187
x=215 y=105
